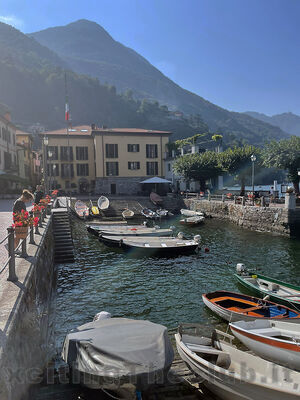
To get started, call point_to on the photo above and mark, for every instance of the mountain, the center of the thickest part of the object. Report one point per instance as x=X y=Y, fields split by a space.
x=32 y=85
x=288 y=121
x=87 y=48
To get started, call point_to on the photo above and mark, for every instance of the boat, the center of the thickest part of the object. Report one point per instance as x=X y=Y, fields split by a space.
x=147 y=213
x=156 y=199
x=103 y=203
x=152 y=246
x=233 y=307
x=261 y=285
x=112 y=352
x=144 y=231
x=233 y=374
x=276 y=341
x=94 y=210
x=127 y=214
x=162 y=213
x=191 y=213
x=197 y=220
x=81 y=209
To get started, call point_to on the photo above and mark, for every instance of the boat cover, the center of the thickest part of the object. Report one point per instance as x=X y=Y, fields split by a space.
x=118 y=348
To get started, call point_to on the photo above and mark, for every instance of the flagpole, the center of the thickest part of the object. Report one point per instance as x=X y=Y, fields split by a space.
x=67 y=118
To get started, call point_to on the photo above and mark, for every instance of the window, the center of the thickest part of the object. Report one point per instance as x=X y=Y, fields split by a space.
x=7 y=160
x=169 y=167
x=66 y=153
x=152 y=168
x=52 y=169
x=82 y=153
x=67 y=170
x=111 y=150
x=26 y=170
x=82 y=169
x=133 y=148
x=151 y=150
x=133 y=165
x=52 y=152
x=112 y=169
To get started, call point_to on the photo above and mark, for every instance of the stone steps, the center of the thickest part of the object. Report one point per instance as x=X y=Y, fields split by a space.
x=63 y=242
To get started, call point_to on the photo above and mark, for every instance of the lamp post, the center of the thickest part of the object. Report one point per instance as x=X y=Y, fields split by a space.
x=253 y=159
x=45 y=144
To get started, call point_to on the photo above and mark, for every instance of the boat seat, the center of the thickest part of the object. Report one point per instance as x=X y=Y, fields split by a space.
x=265 y=332
x=198 y=348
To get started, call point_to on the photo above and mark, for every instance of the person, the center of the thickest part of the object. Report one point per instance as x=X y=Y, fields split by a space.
x=38 y=195
x=20 y=205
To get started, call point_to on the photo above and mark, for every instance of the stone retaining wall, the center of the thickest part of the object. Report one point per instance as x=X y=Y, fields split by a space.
x=25 y=328
x=266 y=219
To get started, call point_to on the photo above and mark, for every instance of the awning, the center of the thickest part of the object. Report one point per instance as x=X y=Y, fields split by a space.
x=13 y=178
x=156 y=179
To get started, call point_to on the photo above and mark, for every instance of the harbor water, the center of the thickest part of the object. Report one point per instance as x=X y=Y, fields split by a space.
x=165 y=290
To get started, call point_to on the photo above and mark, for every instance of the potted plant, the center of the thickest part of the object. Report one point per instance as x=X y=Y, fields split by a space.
x=21 y=223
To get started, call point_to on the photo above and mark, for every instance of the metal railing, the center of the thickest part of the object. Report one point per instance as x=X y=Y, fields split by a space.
x=22 y=246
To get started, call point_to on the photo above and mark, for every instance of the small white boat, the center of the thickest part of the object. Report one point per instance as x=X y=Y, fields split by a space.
x=147 y=213
x=191 y=213
x=233 y=374
x=145 y=245
x=127 y=214
x=276 y=341
x=197 y=220
x=162 y=213
x=81 y=209
x=136 y=231
x=103 y=203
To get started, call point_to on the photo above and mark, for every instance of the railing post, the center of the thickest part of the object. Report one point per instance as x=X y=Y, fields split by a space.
x=243 y=200
x=31 y=238
x=40 y=220
x=209 y=196
x=11 y=252
x=262 y=201
x=223 y=198
x=24 y=248
x=234 y=199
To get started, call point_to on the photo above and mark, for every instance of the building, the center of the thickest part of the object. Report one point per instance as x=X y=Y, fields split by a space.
x=9 y=180
x=102 y=160
x=127 y=156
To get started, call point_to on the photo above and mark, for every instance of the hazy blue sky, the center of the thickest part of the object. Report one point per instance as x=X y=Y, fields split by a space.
x=239 y=54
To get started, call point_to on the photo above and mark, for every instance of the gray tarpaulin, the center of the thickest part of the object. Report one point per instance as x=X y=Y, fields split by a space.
x=119 y=348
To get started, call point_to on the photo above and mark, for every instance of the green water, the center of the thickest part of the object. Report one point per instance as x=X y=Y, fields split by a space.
x=165 y=290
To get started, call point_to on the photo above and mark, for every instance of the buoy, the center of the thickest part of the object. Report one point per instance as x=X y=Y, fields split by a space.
x=206 y=250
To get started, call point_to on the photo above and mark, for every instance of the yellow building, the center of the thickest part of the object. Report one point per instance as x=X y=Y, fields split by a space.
x=69 y=159
x=126 y=156
x=104 y=160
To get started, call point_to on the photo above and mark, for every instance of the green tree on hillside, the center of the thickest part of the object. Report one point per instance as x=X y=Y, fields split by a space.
x=198 y=166
x=284 y=154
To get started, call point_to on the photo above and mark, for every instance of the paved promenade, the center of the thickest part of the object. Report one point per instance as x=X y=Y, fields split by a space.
x=5 y=221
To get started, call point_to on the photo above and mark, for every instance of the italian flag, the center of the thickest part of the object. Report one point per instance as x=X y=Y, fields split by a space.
x=67 y=112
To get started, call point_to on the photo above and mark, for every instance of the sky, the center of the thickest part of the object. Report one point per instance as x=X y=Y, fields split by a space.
x=243 y=55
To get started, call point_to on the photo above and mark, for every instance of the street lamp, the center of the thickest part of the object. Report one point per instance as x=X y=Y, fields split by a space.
x=253 y=159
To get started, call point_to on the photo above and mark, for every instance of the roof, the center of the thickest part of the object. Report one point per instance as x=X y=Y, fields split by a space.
x=82 y=130
x=22 y=133
x=129 y=130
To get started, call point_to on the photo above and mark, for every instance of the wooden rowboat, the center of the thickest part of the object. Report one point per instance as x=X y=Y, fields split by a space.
x=232 y=374
x=137 y=231
x=233 y=307
x=274 y=340
x=127 y=214
x=103 y=203
x=155 y=198
x=276 y=290
x=81 y=209
x=197 y=220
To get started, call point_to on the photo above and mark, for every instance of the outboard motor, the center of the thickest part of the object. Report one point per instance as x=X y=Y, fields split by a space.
x=102 y=315
x=197 y=239
x=241 y=269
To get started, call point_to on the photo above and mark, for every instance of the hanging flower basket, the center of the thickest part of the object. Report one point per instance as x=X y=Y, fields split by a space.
x=21 y=232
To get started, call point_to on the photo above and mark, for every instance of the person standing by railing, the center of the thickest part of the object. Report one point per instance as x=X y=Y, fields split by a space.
x=20 y=204
x=38 y=195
